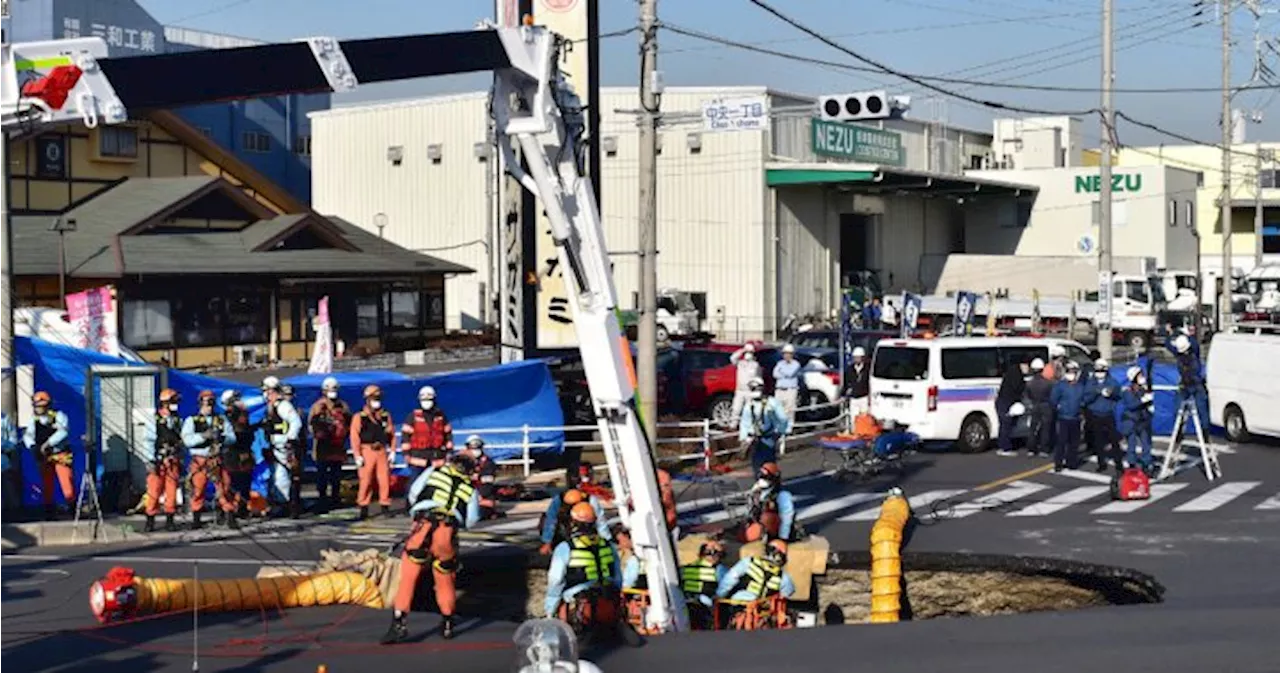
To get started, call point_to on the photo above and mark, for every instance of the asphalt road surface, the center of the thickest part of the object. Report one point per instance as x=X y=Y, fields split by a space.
x=1212 y=544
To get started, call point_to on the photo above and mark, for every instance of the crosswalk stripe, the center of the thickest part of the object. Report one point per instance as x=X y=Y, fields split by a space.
x=917 y=502
x=1158 y=491
x=721 y=515
x=1017 y=490
x=1217 y=497
x=1062 y=501
x=1270 y=503
x=825 y=507
x=1086 y=476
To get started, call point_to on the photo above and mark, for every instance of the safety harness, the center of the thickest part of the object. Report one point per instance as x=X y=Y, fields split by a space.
x=373 y=428
x=590 y=560
x=763 y=579
x=448 y=489
x=698 y=579
x=168 y=438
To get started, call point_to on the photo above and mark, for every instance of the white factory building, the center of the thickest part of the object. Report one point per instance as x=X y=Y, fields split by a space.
x=768 y=216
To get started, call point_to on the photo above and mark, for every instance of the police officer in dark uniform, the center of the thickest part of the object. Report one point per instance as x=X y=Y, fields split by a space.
x=238 y=462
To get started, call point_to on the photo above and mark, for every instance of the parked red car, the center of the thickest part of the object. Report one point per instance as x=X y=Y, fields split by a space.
x=710 y=379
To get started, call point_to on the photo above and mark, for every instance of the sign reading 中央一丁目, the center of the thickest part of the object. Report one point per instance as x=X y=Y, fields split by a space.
x=120 y=37
x=736 y=114
x=855 y=143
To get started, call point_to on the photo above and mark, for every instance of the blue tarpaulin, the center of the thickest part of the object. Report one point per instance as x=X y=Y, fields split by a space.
x=505 y=396
x=1166 y=401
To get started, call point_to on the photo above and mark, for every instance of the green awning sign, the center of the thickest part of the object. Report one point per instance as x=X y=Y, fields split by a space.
x=850 y=142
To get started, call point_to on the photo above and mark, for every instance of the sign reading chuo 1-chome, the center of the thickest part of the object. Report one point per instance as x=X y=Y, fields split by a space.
x=851 y=142
x=1120 y=182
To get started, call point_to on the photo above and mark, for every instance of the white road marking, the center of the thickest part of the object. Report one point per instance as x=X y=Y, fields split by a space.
x=917 y=502
x=828 y=506
x=1086 y=476
x=164 y=559
x=1017 y=490
x=1217 y=497
x=1270 y=503
x=721 y=515
x=1158 y=491
x=1062 y=501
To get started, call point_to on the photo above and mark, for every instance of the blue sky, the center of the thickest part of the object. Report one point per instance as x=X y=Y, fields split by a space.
x=1042 y=42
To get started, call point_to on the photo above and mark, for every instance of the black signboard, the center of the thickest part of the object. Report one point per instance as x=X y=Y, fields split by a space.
x=51 y=157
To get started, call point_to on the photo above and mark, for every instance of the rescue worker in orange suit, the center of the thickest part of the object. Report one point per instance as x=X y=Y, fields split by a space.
x=441 y=500
x=373 y=438
x=429 y=434
x=330 y=422
x=484 y=476
x=47 y=439
x=206 y=435
x=556 y=522
x=238 y=463
x=584 y=562
x=164 y=464
x=773 y=510
x=758 y=577
x=700 y=580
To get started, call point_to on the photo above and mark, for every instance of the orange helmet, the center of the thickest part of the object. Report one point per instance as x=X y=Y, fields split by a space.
x=372 y=391
x=41 y=398
x=169 y=395
x=583 y=512
x=770 y=471
x=573 y=496
x=206 y=395
x=776 y=551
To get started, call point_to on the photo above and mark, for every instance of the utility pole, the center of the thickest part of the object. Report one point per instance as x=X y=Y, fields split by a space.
x=1104 y=202
x=8 y=292
x=1257 y=207
x=648 y=136
x=1225 y=215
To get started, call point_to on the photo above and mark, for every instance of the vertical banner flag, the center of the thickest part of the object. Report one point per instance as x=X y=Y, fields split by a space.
x=322 y=356
x=93 y=314
x=962 y=321
x=911 y=305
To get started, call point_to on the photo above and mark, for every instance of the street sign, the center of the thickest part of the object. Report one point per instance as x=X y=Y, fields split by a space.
x=963 y=322
x=1104 y=299
x=736 y=114
x=859 y=144
x=910 y=313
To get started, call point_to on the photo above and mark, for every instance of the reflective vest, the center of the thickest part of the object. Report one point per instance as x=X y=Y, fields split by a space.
x=448 y=489
x=763 y=579
x=275 y=424
x=45 y=430
x=168 y=436
x=201 y=423
x=699 y=579
x=373 y=428
x=429 y=429
x=590 y=560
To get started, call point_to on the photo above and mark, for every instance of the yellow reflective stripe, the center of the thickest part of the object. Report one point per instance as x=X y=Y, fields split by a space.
x=763 y=578
x=694 y=578
x=583 y=556
x=456 y=488
x=21 y=64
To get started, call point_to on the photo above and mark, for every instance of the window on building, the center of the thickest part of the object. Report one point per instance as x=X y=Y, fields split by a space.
x=1190 y=208
x=118 y=142
x=403 y=309
x=970 y=363
x=1199 y=178
x=1269 y=179
x=1173 y=212
x=255 y=141
x=197 y=321
x=248 y=319
x=434 y=303
x=146 y=323
x=302 y=145
x=367 y=317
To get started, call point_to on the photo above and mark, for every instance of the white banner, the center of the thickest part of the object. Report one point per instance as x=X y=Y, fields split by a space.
x=322 y=356
x=736 y=114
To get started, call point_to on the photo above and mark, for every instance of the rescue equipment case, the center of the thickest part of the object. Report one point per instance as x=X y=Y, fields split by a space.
x=1132 y=484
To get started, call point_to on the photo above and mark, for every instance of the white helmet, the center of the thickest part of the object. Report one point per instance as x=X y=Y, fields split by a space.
x=755 y=382
x=859 y=352
x=1037 y=364
x=1181 y=343
x=1057 y=351
x=749 y=347
x=426 y=393
x=270 y=383
x=329 y=383
x=789 y=348
x=1133 y=373
x=1101 y=364
x=475 y=442
x=229 y=396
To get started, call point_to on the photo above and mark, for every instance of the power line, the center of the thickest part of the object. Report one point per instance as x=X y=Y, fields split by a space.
x=746 y=46
x=1184 y=138
x=908 y=76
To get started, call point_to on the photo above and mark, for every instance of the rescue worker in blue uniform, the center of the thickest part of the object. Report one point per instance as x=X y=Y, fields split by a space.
x=773 y=509
x=757 y=577
x=206 y=435
x=1136 y=404
x=586 y=562
x=555 y=521
x=1067 y=399
x=762 y=424
x=1191 y=384
x=1101 y=397
x=701 y=580
x=441 y=500
x=282 y=426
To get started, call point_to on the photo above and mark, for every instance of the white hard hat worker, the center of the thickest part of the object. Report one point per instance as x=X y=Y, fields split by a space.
x=1057 y=351
x=426 y=397
x=749 y=347
x=859 y=352
x=1101 y=364
x=756 y=386
x=789 y=349
x=330 y=387
x=1037 y=365
x=1133 y=373
x=229 y=397
x=1182 y=343
x=271 y=383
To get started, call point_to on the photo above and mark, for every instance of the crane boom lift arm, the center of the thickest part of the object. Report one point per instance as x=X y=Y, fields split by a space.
x=539 y=123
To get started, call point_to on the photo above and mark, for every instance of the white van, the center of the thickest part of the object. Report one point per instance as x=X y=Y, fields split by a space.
x=945 y=388
x=1243 y=377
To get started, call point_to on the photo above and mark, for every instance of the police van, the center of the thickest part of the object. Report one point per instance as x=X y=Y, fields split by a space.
x=945 y=388
x=1243 y=379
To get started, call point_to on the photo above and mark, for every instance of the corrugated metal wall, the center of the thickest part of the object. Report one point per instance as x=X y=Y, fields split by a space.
x=808 y=250
x=438 y=208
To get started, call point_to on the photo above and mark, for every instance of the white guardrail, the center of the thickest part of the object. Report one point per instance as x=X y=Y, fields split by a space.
x=709 y=433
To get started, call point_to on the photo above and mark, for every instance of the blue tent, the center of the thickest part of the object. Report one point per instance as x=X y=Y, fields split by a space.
x=509 y=395
x=1166 y=403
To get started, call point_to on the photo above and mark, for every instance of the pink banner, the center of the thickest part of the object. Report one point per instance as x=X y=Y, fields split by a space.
x=93 y=314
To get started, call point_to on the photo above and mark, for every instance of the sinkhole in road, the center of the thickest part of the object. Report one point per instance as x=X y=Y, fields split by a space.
x=936 y=585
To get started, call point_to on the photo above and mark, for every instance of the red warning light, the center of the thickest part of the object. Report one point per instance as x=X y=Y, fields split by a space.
x=55 y=87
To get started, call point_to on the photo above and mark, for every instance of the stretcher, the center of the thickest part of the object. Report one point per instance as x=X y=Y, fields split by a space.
x=858 y=458
x=763 y=613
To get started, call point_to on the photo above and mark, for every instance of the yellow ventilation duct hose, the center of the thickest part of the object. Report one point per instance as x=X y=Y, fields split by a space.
x=886 y=558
